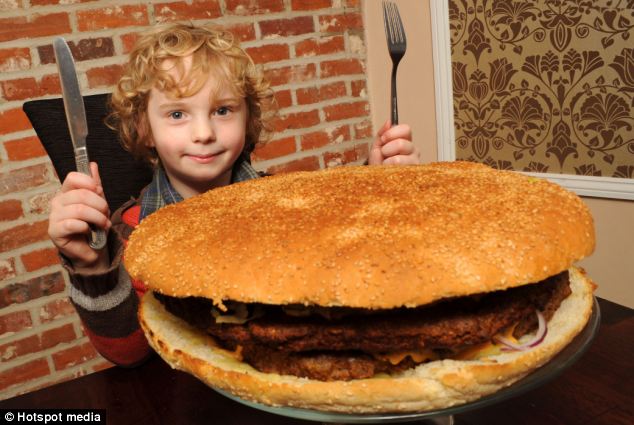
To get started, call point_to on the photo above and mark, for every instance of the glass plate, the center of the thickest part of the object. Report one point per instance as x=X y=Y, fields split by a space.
x=564 y=359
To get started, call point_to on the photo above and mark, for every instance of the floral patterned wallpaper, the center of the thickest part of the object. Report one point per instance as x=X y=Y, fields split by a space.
x=545 y=85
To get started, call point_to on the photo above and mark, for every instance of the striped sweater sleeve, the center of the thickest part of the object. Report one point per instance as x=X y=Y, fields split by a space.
x=107 y=303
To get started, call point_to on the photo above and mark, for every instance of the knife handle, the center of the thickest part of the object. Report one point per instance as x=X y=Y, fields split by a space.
x=97 y=238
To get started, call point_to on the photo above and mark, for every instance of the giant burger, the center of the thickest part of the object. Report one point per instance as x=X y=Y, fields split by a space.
x=366 y=289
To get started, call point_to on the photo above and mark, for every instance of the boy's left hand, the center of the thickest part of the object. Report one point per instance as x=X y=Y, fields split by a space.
x=393 y=145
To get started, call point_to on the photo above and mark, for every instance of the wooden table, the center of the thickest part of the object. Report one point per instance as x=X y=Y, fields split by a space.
x=598 y=389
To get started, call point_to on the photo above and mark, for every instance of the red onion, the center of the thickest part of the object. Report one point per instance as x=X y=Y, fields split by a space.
x=542 y=330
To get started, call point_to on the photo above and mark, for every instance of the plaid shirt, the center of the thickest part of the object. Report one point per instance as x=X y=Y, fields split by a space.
x=160 y=191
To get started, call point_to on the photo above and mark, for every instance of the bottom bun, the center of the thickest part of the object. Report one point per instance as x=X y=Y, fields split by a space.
x=429 y=386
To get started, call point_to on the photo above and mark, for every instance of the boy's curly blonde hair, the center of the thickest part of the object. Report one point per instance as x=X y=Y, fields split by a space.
x=214 y=53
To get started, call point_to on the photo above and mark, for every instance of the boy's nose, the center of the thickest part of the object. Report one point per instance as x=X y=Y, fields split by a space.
x=203 y=131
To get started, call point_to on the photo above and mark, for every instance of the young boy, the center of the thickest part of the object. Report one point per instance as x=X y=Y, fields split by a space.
x=192 y=103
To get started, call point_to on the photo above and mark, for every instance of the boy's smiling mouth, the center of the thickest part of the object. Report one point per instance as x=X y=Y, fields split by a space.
x=203 y=159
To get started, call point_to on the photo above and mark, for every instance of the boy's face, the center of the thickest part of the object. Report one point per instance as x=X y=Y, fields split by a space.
x=198 y=138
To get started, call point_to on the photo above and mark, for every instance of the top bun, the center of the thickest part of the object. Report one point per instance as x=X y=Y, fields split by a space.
x=368 y=236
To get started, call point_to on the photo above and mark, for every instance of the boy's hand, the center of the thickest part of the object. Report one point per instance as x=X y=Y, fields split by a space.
x=393 y=145
x=80 y=201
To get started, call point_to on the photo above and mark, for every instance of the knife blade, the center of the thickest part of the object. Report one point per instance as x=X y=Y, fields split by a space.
x=76 y=119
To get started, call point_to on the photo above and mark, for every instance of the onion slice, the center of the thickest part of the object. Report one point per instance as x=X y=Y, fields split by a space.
x=542 y=330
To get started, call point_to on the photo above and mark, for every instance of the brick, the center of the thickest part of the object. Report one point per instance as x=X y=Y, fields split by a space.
x=40 y=203
x=243 y=32
x=344 y=111
x=308 y=95
x=296 y=120
x=363 y=130
x=291 y=74
x=22 y=235
x=13 y=120
x=16 y=59
x=105 y=76
x=340 y=23
x=55 y=336
x=23 y=178
x=253 y=7
x=7 y=269
x=274 y=149
x=27 y=88
x=50 y=85
x=310 y=163
x=310 y=4
x=321 y=93
x=37 y=287
x=85 y=49
x=283 y=98
x=20 y=88
x=112 y=17
x=341 y=67
x=287 y=27
x=314 y=140
x=321 y=138
x=35 y=25
x=129 y=41
x=55 y=310
x=320 y=46
x=19 y=348
x=23 y=149
x=357 y=153
x=23 y=373
x=353 y=4
x=10 y=209
x=73 y=356
x=37 y=343
x=269 y=53
x=10 y=5
x=39 y=259
x=15 y=322
x=197 y=9
x=359 y=88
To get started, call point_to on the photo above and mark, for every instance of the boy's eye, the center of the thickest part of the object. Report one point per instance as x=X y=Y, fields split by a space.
x=177 y=115
x=223 y=110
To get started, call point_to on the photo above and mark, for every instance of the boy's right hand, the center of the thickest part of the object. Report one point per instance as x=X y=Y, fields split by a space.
x=80 y=201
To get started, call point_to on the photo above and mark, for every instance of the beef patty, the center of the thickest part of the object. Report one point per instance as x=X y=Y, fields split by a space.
x=345 y=344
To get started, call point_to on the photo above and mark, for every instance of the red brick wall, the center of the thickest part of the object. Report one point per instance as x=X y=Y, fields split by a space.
x=312 y=50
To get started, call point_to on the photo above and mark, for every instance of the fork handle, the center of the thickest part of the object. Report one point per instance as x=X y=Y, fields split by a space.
x=394 y=102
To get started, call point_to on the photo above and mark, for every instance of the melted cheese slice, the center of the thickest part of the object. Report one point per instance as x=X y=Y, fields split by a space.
x=417 y=356
x=486 y=349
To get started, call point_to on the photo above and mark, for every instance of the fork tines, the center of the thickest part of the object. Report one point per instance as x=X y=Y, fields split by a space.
x=396 y=46
x=392 y=22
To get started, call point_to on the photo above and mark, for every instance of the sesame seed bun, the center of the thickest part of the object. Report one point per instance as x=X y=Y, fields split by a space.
x=429 y=386
x=372 y=237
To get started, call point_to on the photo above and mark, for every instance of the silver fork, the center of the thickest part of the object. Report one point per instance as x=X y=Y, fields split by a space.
x=396 y=45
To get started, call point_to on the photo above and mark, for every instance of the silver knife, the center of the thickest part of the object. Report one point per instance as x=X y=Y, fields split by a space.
x=76 y=118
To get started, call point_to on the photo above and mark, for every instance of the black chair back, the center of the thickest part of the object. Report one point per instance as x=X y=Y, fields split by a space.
x=121 y=175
